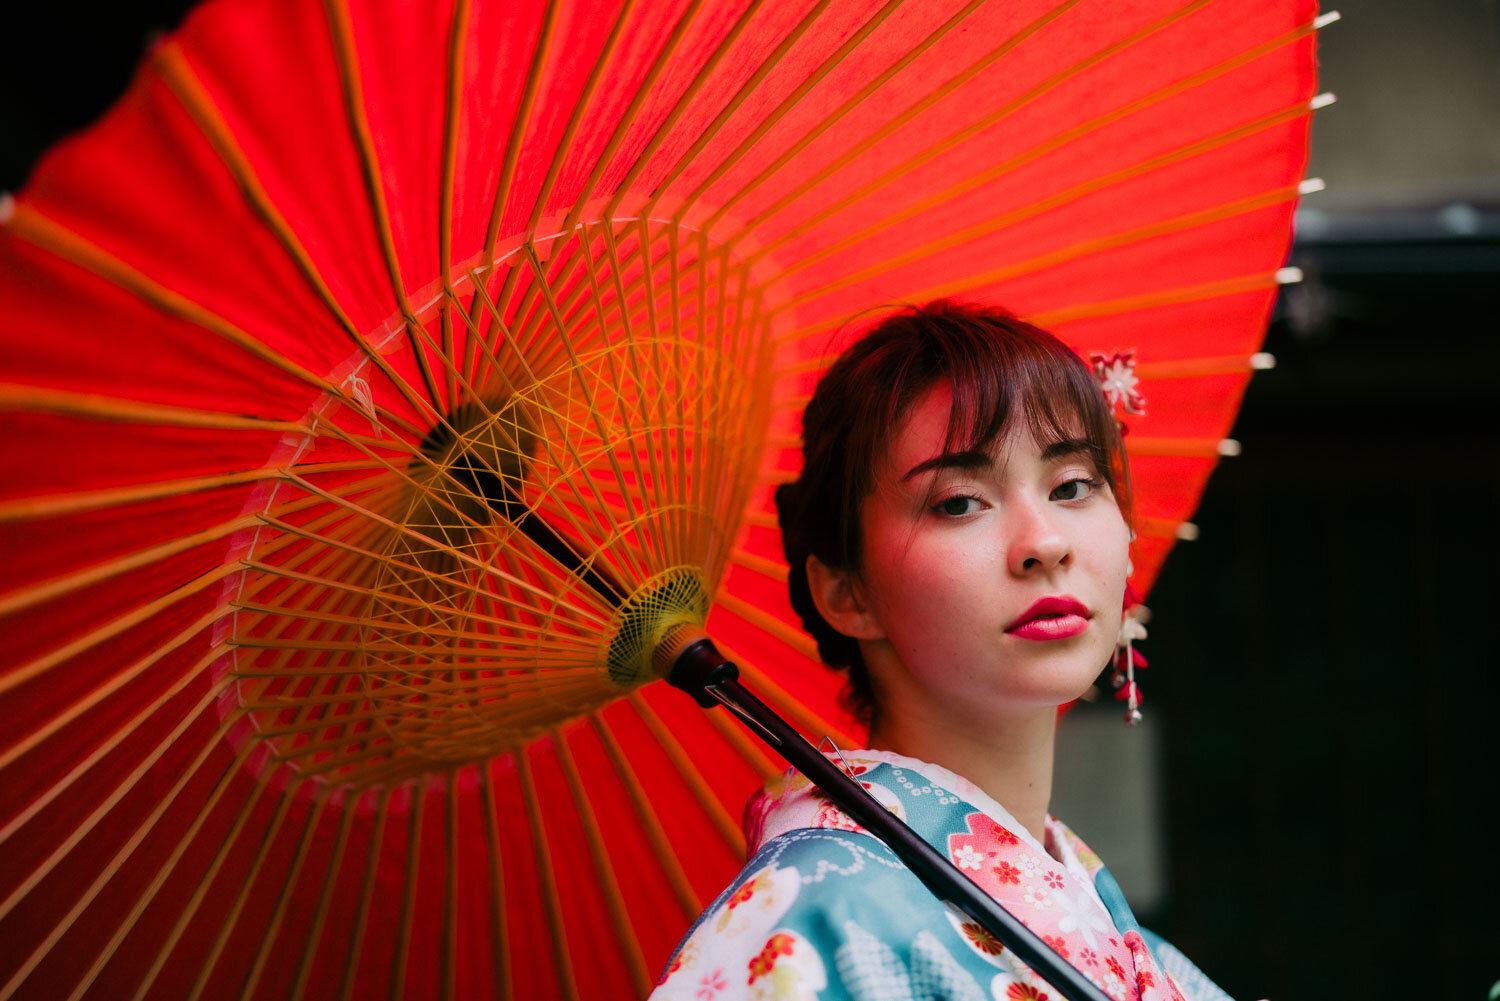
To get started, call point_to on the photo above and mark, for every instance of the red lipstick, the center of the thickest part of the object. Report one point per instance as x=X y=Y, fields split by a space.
x=1052 y=618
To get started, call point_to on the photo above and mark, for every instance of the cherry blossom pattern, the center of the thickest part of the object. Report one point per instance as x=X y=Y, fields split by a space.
x=968 y=857
x=712 y=985
x=1059 y=945
x=763 y=962
x=1024 y=992
x=981 y=938
x=786 y=968
x=1149 y=984
x=1117 y=378
x=760 y=885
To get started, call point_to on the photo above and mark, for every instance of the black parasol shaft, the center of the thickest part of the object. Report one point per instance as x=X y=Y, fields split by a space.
x=701 y=671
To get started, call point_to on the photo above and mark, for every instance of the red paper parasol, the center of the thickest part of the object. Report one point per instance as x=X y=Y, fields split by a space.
x=339 y=299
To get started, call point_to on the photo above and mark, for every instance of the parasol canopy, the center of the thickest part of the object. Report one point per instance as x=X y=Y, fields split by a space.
x=381 y=379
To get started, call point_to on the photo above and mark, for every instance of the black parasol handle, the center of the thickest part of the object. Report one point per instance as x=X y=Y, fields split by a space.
x=704 y=673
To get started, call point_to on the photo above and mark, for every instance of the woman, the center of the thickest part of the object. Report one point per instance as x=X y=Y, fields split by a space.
x=958 y=543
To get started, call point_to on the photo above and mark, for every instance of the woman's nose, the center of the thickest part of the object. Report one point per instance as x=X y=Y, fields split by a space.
x=1036 y=540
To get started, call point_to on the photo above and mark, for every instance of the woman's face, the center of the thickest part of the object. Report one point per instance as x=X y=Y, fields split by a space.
x=993 y=580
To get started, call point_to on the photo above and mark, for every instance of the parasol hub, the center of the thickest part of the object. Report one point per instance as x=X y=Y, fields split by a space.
x=658 y=616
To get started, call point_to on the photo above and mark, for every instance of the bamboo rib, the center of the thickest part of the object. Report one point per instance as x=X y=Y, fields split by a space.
x=1151 y=300
x=791 y=101
x=562 y=430
x=892 y=125
x=627 y=119
x=342 y=36
x=448 y=972
x=774 y=569
x=515 y=140
x=558 y=939
x=732 y=105
x=366 y=892
x=1165 y=227
x=673 y=555
x=61 y=505
x=325 y=898
x=43 y=400
x=907 y=57
x=785 y=704
x=720 y=52
x=577 y=648
x=740 y=497
x=168 y=864
x=699 y=786
x=190 y=92
x=499 y=930
x=452 y=97
x=411 y=533
x=657 y=497
x=614 y=900
x=628 y=429
x=677 y=467
x=1192 y=368
x=184 y=918
x=30 y=225
x=751 y=751
x=574 y=365
x=763 y=519
x=1032 y=209
x=401 y=953
x=661 y=845
x=109 y=743
x=974 y=128
x=565 y=143
x=112 y=628
x=1207 y=448
x=268 y=837
x=283 y=899
x=769 y=624
x=52 y=726
x=56 y=587
x=110 y=869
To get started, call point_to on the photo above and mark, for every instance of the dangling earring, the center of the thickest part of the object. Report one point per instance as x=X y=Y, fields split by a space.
x=1126 y=660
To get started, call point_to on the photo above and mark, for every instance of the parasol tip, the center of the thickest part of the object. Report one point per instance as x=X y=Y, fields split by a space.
x=1326 y=18
x=1311 y=185
x=1323 y=100
x=1228 y=447
x=1288 y=276
x=1187 y=531
x=1262 y=360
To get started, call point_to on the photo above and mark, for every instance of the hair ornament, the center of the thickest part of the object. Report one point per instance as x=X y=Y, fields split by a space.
x=1126 y=660
x=1117 y=378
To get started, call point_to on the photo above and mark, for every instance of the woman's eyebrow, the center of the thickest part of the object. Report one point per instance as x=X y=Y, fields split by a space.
x=951 y=460
x=1065 y=448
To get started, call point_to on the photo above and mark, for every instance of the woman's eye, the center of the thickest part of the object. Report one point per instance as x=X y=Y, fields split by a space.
x=956 y=507
x=1075 y=489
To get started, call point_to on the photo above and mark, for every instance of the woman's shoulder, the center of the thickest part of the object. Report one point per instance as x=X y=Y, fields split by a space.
x=831 y=914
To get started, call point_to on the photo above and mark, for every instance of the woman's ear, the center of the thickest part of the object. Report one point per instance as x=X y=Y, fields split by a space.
x=841 y=601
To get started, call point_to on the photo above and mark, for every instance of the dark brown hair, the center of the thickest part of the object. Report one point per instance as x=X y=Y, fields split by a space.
x=1001 y=369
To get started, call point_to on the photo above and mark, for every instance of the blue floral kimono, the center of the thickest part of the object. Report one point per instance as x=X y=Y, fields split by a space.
x=824 y=911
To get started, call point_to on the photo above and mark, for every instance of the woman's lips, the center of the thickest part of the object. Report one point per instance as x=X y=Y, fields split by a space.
x=1051 y=619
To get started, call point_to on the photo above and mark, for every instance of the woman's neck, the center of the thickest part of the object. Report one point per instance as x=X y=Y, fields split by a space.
x=1010 y=760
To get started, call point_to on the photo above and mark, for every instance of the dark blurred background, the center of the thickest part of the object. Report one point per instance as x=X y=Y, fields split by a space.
x=1316 y=818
